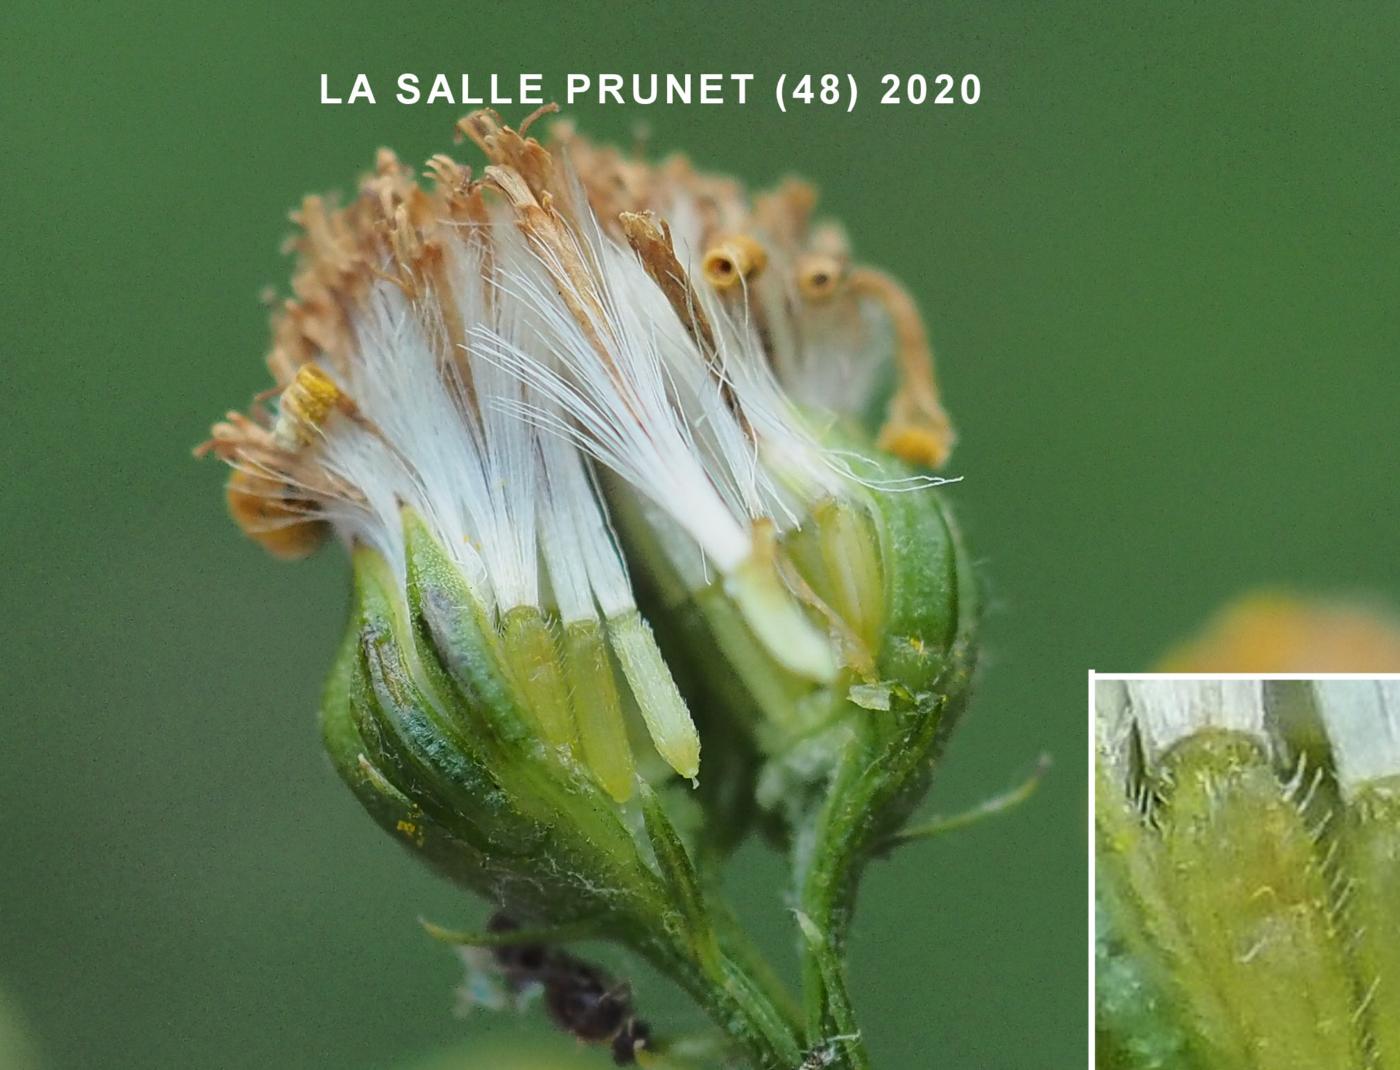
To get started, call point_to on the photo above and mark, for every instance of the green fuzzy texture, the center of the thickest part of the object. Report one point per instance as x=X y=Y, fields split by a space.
x=1238 y=929
x=1371 y=851
x=1150 y=947
x=1249 y=888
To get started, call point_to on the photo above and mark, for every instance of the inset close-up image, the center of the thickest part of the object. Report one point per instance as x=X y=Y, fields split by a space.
x=1247 y=872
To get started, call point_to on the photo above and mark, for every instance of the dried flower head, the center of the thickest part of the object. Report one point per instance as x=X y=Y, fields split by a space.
x=477 y=351
x=510 y=393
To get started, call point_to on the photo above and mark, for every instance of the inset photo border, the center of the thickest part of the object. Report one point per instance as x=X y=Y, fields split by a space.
x=1244 y=875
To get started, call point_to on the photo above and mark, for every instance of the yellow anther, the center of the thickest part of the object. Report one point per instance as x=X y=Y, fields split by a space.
x=306 y=404
x=916 y=428
x=734 y=259
x=917 y=445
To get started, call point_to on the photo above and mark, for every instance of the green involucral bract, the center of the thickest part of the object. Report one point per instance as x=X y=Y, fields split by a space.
x=1245 y=923
x=427 y=726
x=468 y=757
x=1370 y=838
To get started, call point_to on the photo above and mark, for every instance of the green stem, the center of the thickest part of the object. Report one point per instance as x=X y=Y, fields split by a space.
x=831 y=1021
x=840 y=1038
x=734 y=1000
x=826 y=863
x=692 y=951
x=738 y=947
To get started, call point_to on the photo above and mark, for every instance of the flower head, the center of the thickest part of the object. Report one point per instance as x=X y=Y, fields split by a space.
x=488 y=353
x=559 y=403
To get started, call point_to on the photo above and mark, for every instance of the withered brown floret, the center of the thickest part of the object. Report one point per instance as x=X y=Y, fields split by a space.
x=795 y=279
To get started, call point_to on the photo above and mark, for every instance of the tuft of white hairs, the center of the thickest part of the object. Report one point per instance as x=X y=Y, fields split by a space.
x=617 y=408
x=712 y=440
x=586 y=571
x=469 y=470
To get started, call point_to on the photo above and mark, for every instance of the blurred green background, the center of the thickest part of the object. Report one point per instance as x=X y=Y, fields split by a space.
x=1160 y=262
